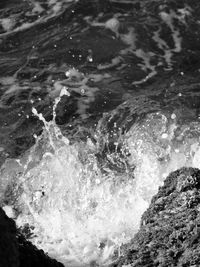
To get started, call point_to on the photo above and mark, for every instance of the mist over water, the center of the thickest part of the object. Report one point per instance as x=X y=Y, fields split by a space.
x=99 y=103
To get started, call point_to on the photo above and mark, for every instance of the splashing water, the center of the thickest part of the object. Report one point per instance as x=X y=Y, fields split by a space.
x=77 y=213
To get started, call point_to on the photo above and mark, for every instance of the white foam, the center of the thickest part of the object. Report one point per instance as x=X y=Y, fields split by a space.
x=7 y=23
x=168 y=53
x=114 y=62
x=146 y=65
x=37 y=8
x=80 y=207
x=74 y=208
x=183 y=13
x=55 y=8
x=130 y=40
x=168 y=19
x=8 y=80
x=112 y=24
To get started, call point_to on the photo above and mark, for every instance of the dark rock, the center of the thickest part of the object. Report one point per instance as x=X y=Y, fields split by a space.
x=15 y=251
x=170 y=228
x=9 y=253
x=30 y=256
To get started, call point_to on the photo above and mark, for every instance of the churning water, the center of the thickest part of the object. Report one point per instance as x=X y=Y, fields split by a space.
x=115 y=78
x=79 y=212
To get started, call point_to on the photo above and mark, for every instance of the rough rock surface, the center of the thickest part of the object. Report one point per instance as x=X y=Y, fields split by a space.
x=15 y=251
x=170 y=228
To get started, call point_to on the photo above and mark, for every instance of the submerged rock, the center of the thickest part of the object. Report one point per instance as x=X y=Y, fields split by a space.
x=15 y=251
x=170 y=228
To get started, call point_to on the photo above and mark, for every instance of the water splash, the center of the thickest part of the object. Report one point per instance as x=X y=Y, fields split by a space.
x=73 y=210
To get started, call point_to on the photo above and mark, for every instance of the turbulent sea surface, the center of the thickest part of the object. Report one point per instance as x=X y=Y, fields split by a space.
x=99 y=102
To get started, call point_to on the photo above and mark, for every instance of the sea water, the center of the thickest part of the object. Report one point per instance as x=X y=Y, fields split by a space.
x=73 y=209
x=77 y=208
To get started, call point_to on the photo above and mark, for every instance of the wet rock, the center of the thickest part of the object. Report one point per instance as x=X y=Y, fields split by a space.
x=30 y=256
x=15 y=251
x=9 y=253
x=170 y=228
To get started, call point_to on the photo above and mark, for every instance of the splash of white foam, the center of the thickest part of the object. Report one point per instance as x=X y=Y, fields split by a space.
x=160 y=148
x=80 y=215
x=72 y=206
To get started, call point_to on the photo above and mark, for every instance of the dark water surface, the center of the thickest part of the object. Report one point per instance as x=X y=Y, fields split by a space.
x=129 y=114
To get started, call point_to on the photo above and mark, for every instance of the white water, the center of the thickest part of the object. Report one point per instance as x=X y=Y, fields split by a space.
x=13 y=23
x=79 y=215
x=131 y=40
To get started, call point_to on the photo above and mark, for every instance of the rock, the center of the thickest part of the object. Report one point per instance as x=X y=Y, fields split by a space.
x=9 y=253
x=170 y=229
x=30 y=256
x=15 y=251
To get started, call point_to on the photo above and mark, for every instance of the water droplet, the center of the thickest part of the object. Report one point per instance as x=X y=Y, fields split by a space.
x=173 y=116
x=164 y=135
x=89 y=58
